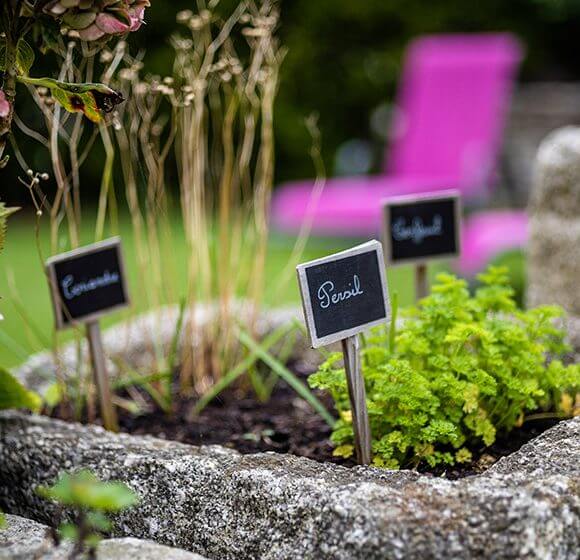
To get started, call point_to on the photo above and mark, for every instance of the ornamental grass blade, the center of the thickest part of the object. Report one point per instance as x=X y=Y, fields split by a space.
x=239 y=370
x=285 y=374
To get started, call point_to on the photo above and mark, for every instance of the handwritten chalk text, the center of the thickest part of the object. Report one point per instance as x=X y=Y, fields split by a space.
x=417 y=231
x=327 y=295
x=72 y=289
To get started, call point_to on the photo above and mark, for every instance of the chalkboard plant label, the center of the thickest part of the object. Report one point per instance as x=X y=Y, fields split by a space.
x=424 y=227
x=344 y=294
x=87 y=283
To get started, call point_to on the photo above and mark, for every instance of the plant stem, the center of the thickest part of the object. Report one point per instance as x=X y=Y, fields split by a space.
x=393 y=326
x=546 y=416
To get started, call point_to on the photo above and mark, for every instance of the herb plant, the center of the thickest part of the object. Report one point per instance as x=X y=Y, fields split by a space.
x=91 y=501
x=462 y=370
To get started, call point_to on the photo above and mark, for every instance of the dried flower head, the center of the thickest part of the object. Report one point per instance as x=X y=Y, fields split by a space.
x=4 y=105
x=91 y=20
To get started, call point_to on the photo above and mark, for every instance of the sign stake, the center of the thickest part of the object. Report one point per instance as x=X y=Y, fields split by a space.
x=421 y=284
x=358 y=401
x=101 y=376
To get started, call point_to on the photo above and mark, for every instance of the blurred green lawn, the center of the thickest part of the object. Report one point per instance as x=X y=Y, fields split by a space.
x=25 y=304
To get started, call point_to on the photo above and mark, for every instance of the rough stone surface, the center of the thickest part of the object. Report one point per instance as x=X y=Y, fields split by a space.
x=137 y=549
x=24 y=539
x=227 y=506
x=554 y=246
x=138 y=342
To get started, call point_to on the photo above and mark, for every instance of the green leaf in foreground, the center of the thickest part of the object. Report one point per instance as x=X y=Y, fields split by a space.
x=88 y=501
x=14 y=395
x=84 y=490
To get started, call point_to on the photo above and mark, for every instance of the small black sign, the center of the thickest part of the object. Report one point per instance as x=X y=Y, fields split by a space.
x=421 y=228
x=87 y=283
x=344 y=294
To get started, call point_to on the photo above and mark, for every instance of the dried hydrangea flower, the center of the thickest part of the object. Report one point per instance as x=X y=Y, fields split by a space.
x=95 y=19
x=4 y=105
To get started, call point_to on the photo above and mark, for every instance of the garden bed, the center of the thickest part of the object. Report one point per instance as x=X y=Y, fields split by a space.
x=287 y=424
x=215 y=501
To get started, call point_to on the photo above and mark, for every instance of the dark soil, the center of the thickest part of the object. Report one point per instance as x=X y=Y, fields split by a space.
x=287 y=424
x=237 y=419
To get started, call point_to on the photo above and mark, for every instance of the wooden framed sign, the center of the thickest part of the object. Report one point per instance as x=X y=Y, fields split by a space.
x=87 y=283
x=345 y=293
x=421 y=228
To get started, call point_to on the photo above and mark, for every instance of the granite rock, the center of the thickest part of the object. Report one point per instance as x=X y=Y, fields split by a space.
x=224 y=505
x=24 y=539
x=137 y=549
x=554 y=245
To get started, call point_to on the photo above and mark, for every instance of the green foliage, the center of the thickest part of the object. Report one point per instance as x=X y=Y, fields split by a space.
x=14 y=395
x=90 y=99
x=24 y=56
x=462 y=370
x=515 y=261
x=4 y=214
x=286 y=375
x=84 y=490
x=90 y=501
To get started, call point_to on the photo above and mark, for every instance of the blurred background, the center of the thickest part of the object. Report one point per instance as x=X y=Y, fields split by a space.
x=344 y=63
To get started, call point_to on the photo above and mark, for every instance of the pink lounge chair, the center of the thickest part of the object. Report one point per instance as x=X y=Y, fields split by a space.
x=452 y=104
x=486 y=234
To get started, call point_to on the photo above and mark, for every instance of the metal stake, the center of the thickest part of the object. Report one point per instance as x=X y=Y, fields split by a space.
x=358 y=402
x=421 y=284
x=101 y=377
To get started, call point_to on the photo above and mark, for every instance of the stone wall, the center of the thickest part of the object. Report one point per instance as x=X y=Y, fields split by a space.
x=227 y=506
